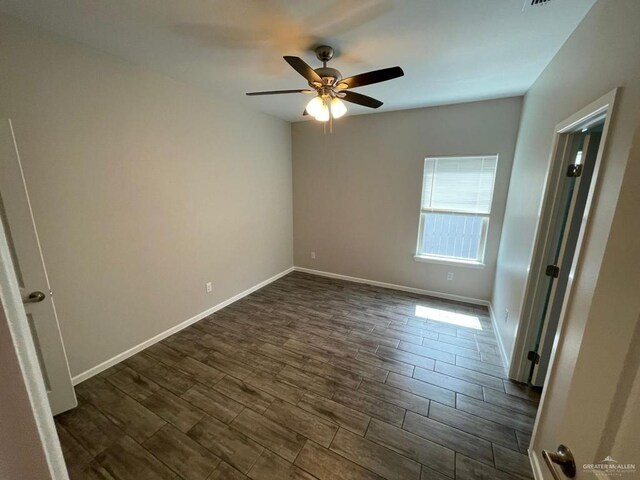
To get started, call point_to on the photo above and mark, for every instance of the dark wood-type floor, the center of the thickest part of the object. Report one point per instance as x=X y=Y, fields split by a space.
x=309 y=378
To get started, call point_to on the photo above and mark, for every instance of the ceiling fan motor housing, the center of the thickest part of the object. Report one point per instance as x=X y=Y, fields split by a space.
x=329 y=75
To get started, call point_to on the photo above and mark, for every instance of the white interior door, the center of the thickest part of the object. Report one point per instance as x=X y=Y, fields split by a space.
x=22 y=236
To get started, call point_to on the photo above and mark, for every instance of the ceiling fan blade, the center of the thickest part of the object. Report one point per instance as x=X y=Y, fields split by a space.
x=278 y=92
x=360 y=99
x=368 y=78
x=303 y=69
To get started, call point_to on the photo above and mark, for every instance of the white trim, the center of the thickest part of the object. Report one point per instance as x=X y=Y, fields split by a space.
x=535 y=465
x=526 y=331
x=503 y=352
x=161 y=336
x=448 y=261
x=447 y=296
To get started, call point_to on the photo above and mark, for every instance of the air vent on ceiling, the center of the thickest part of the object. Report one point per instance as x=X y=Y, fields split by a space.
x=534 y=3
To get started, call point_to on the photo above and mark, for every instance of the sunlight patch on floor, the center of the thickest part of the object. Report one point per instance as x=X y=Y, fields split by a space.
x=445 y=316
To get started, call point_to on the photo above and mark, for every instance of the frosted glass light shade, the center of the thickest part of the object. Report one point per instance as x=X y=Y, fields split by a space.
x=323 y=114
x=338 y=108
x=314 y=106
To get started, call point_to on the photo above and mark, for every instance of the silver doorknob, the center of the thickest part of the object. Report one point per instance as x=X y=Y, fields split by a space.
x=34 y=297
x=562 y=457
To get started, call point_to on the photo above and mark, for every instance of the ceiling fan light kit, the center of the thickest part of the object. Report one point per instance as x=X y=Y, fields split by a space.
x=337 y=107
x=323 y=107
x=330 y=89
x=314 y=106
x=323 y=114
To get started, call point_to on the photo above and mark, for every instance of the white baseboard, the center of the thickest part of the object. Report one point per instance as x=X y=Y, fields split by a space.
x=161 y=336
x=503 y=352
x=447 y=296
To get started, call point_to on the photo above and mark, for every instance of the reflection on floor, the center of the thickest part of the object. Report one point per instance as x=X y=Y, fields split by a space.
x=309 y=378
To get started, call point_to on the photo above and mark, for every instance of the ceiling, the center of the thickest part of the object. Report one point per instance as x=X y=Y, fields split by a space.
x=451 y=50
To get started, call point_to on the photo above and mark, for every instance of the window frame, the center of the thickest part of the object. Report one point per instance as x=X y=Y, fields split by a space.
x=450 y=260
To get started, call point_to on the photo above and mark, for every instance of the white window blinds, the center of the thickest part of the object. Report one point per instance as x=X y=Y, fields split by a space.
x=459 y=184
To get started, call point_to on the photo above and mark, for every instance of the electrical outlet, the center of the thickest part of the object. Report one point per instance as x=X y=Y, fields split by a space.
x=450 y=276
x=313 y=255
x=506 y=315
x=208 y=287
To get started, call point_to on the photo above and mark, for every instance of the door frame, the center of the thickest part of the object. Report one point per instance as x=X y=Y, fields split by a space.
x=536 y=280
x=12 y=312
x=566 y=226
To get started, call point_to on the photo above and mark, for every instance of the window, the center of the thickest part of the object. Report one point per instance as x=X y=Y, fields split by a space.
x=456 y=206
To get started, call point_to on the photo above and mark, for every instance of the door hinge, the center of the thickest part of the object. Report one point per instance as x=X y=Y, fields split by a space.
x=533 y=357
x=552 y=271
x=574 y=170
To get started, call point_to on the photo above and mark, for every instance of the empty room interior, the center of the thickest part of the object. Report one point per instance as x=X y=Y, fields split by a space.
x=317 y=240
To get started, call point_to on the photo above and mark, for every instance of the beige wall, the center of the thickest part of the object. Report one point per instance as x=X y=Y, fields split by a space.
x=600 y=55
x=625 y=443
x=357 y=191
x=143 y=189
x=589 y=394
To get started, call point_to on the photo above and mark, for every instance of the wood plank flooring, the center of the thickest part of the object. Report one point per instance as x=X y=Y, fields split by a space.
x=309 y=378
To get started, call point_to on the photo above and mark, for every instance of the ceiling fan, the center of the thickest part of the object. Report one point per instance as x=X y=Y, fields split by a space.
x=330 y=89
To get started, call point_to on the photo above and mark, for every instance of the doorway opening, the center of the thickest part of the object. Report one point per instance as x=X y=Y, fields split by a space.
x=571 y=183
x=570 y=208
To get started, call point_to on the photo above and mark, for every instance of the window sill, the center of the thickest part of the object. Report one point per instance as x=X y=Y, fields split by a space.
x=448 y=261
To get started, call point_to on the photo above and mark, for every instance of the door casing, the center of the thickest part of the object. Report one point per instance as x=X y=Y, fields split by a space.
x=536 y=284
